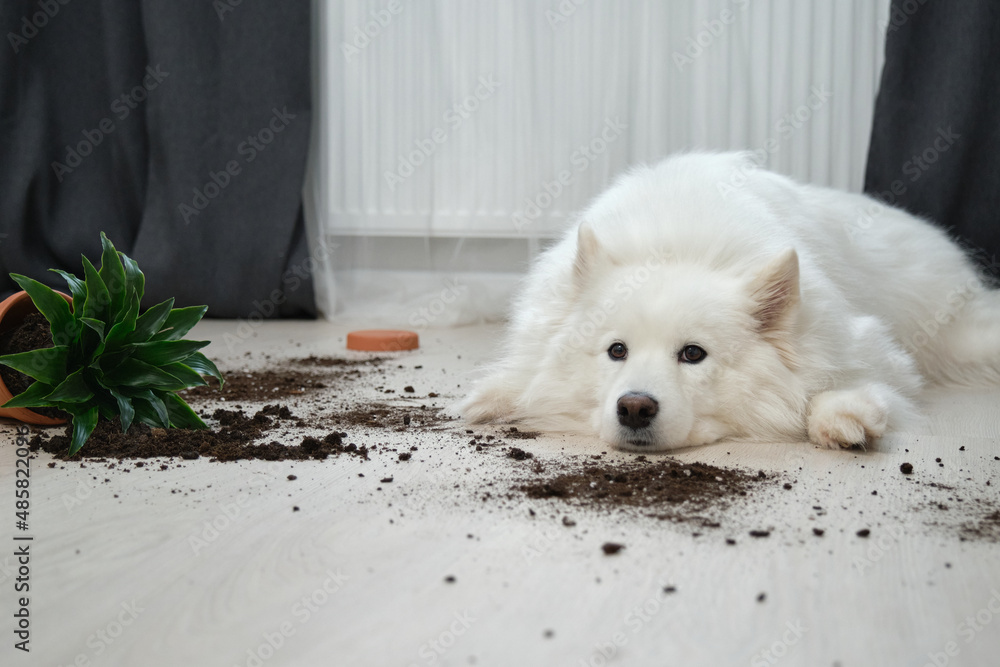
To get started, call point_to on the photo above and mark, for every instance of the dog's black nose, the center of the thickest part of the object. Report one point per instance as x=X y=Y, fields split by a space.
x=636 y=410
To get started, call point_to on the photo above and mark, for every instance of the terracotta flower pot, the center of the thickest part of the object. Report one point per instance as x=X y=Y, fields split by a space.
x=13 y=310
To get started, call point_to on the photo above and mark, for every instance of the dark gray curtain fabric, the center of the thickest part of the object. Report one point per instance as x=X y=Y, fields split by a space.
x=180 y=129
x=935 y=147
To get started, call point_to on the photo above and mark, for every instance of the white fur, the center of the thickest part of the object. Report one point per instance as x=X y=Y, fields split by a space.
x=822 y=313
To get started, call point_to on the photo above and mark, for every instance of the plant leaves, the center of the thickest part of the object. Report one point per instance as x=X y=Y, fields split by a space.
x=53 y=307
x=98 y=298
x=204 y=366
x=164 y=352
x=32 y=397
x=179 y=322
x=135 y=281
x=125 y=409
x=151 y=321
x=181 y=414
x=113 y=274
x=84 y=423
x=96 y=325
x=74 y=389
x=123 y=328
x=185 y=374
x=139 y=374
x=151 y=410
x=47 y=364
x=77 y=288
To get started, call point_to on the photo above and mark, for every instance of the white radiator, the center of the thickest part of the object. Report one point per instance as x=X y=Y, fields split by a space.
x=443 y=121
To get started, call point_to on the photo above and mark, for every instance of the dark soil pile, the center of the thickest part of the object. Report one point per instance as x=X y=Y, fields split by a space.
x=295 y=378
x=397 y=418
x=664 y=489
x=234 y=439
x=32 y=334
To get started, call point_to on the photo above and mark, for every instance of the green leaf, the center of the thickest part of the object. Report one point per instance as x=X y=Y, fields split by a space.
x=98 y=298
x=96 y=325
x=77 y=288
x=185 y=374
x=181 y=414
x=53 y=307
x=113 y=274
x=203 y=365
x=164 y=352
x=107 y=363
x=135 y=282
x=151 y=321
x=47 y=364
x=122 y=329
x=32 y=397
x=73 y=389
x=151 y=410
x=180 y=321
x=83 y=425
x=134 y=373
x=125 y=409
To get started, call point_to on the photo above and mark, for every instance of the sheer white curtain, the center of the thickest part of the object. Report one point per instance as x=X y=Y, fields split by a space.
x=453 y=139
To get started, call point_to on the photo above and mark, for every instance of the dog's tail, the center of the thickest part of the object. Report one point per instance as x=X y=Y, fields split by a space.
x=966 y=351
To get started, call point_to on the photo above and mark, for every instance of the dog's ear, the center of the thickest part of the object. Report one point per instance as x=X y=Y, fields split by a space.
x=775 y=294
x=588 y=251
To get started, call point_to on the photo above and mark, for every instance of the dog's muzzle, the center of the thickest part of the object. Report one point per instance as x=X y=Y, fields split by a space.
x=636 y=410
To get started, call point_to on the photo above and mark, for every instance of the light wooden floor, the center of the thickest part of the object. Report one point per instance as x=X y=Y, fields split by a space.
x=357 y=577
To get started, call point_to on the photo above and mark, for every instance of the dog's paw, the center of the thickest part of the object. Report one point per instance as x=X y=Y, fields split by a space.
x=848 y=418
x=487 y=403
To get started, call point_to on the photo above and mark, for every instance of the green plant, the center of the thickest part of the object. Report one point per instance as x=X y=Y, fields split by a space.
x=107 y=360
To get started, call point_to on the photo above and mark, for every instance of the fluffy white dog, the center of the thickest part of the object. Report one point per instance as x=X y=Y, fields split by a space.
x=702 y=299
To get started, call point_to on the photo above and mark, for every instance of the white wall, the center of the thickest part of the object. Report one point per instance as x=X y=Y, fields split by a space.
x=456 y=137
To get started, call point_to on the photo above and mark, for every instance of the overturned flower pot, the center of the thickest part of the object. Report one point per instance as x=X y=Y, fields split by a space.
x=13 y=311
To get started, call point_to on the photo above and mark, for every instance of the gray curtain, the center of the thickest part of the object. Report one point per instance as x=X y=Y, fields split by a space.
x=935 y=147
x=178 y=128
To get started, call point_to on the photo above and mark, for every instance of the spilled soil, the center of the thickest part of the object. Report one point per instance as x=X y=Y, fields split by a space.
x=664 y=489
x=320 y=408
x=237 y=436
x=32 y=334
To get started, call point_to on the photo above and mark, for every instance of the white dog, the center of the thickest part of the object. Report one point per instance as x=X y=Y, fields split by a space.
x=703 y=299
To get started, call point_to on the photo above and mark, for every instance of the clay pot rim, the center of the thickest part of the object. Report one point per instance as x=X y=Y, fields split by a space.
x=19 y=305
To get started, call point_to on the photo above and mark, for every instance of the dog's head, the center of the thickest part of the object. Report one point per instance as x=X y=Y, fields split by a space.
x=679 y=354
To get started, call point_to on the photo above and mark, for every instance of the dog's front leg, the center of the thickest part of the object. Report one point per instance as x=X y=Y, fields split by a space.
x=850 y=417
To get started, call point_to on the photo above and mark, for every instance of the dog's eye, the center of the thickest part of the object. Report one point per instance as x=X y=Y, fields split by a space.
x=692 y=354
x=618 y=351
